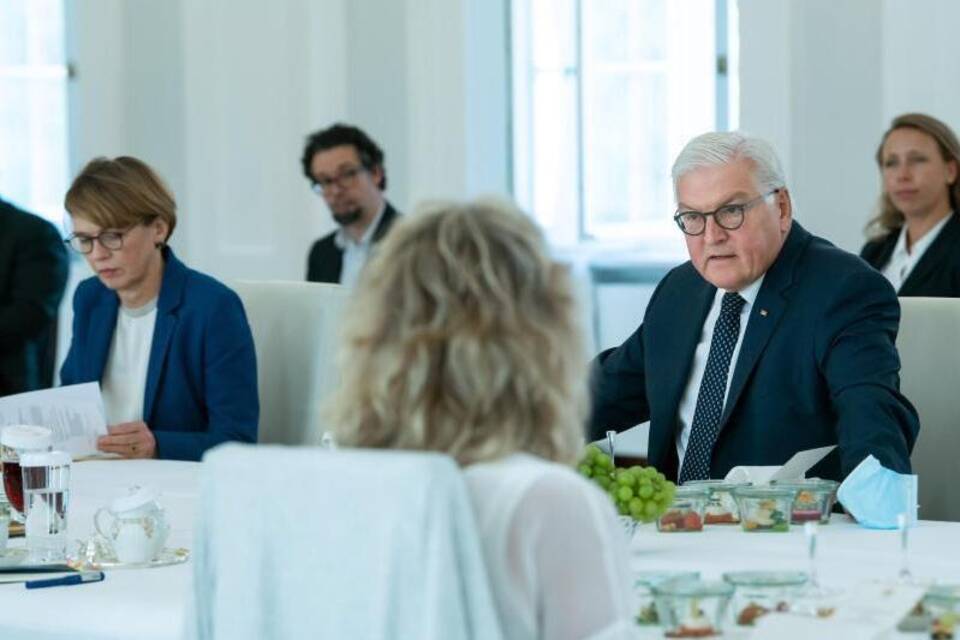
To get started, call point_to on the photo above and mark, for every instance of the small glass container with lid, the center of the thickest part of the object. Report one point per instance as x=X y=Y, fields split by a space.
x=692 y=608
x=721 y=506
x=686 y=511
x=814 y=501
x=643 y=585
x=760 y=592
x=765 y=508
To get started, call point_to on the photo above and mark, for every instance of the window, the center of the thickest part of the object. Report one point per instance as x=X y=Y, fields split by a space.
x=605 y=94
x=33 y=106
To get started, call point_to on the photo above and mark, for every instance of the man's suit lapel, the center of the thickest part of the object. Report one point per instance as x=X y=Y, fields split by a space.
x=765 y=315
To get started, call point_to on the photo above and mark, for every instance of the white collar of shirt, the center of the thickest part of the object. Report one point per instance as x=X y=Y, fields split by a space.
x=902 y=261
x=343 y=239
x=688 y=402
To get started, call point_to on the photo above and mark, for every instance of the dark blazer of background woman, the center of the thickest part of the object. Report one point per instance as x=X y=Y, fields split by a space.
x=936 y=274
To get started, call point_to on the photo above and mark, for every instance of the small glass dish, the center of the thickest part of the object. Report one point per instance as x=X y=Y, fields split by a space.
x=721 y=506
x=814 y=501
x=643 y=585
x=686 y=511
x=757 y=593
x=765 y=508
x=692 y=608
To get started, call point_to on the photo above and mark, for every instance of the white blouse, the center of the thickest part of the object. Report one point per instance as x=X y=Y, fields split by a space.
x=125 y=375
x=555 y=552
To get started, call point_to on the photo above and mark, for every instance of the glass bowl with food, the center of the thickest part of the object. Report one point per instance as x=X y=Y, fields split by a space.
x=686 y=511
x=721 y=506
x=643 y=584
x=692 y=608
x=814 y=501
x=757 y=593
x=765 y=508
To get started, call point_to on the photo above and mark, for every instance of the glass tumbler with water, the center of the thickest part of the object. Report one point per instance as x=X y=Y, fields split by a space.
x=46 y=494
x=15 y=441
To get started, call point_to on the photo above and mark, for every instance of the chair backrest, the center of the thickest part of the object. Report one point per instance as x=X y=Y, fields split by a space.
x=929 y=346
x=311 y=543
x=296 y=332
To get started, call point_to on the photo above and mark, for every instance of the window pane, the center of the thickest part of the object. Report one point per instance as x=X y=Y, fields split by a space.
x=626 y=161
x=554 y=160
x=33 y=106
x=553 y=33
x=32 y=32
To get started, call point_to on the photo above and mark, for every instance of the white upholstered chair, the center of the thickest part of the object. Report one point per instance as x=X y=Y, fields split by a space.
x=296 y=333
x=929 y=345
x=302 y=542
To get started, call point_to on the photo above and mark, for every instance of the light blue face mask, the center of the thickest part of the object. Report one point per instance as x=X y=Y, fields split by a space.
x=875 y=495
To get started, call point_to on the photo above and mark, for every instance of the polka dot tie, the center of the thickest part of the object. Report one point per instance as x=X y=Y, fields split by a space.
x=706 y=417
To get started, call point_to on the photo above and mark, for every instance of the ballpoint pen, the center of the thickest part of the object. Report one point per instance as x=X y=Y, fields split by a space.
x=79 y=578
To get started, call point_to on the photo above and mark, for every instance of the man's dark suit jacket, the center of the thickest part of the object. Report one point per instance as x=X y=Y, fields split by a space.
x=818 y=366
x=936 y=274
x=33 y=275
x=326 y=259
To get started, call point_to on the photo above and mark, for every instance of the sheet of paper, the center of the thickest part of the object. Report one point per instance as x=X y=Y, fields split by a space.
x=794 y=469
x=74 y=413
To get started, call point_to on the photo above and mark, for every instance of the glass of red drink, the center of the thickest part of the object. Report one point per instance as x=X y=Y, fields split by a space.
x=15 y=441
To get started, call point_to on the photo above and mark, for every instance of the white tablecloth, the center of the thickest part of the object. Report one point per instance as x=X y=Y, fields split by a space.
x=142 y=604
x=149 y=603
x=847 y=554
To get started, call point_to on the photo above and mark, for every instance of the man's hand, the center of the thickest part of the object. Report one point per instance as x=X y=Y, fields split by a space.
x=130 y=440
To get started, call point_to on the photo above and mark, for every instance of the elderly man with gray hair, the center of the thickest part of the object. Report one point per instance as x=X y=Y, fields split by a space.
x=769 y=341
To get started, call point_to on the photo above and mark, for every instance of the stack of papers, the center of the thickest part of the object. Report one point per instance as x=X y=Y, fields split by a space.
x=74 y=413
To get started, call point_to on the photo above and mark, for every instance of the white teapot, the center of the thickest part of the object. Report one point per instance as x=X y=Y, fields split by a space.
x=137 y=528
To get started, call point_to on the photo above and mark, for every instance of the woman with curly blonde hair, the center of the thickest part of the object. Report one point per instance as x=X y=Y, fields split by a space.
x=463 y=339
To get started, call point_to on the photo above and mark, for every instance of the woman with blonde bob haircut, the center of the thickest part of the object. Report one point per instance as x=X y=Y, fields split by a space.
x=464 y=339
x=915 y=237
x=170 y=347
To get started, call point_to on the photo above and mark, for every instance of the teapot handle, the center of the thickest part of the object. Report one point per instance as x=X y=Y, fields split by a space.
x=96 y=521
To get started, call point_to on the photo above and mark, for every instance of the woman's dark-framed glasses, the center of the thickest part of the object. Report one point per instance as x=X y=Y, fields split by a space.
x=112 y=240
x=729 y=216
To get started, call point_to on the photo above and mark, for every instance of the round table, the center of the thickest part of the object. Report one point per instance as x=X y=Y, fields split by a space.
x=129 y=603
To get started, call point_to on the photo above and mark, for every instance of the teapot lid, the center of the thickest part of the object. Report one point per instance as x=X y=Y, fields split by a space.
x=136 y=498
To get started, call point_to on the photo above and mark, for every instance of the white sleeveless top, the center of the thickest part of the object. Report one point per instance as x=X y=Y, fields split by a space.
x=555 y=552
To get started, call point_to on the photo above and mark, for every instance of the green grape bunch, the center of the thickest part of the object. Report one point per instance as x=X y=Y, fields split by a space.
x=642 y=493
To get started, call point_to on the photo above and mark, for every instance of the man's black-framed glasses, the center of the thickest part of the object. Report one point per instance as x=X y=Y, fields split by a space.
x=112 y=240
x=343 y=178
x=729 y=216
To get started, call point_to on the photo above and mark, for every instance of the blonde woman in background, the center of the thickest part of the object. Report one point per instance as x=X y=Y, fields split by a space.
x=915 y=239
x=463 y=340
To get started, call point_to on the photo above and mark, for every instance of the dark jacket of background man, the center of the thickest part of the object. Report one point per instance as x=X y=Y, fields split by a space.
x=33 y=276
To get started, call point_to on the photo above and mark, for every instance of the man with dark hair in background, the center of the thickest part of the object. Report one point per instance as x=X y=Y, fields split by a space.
x=345 y=167
x=33 y=276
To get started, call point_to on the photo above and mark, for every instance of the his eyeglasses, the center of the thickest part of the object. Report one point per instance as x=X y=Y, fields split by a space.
x=729 y=216
x=112 y=240
x=342 y=179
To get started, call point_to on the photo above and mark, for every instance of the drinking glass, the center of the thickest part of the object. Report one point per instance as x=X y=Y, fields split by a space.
x=15 y=441
x=46 y=494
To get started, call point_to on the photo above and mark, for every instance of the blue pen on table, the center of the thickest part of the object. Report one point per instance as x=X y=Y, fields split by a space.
x=80 y=578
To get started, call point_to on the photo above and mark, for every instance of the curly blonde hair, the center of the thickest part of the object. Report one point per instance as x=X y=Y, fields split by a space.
x=464 y=338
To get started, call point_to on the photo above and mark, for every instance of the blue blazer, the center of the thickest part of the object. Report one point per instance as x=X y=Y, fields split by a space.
x=818 y=366
x=201 y=386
